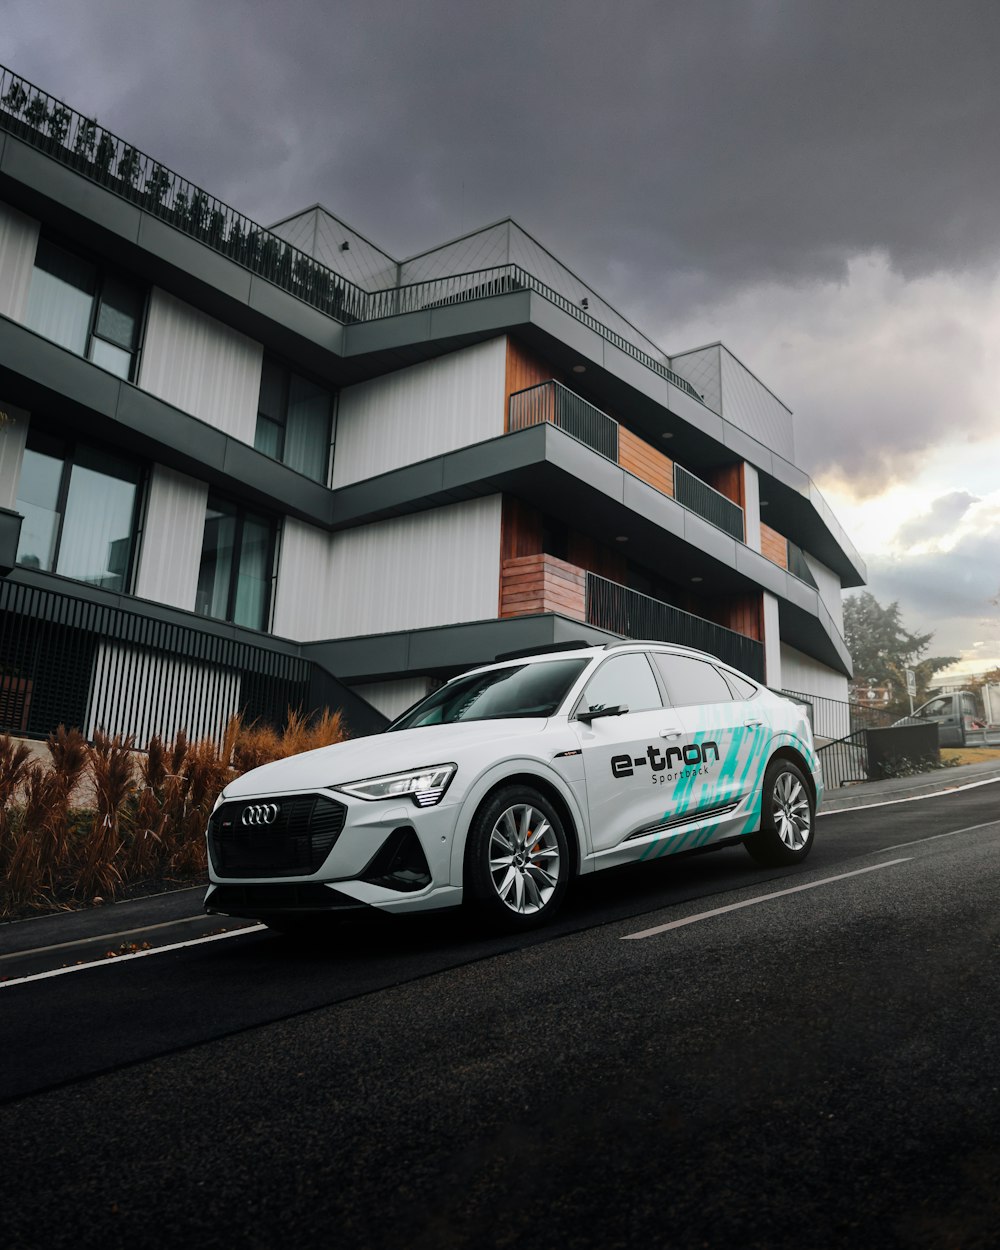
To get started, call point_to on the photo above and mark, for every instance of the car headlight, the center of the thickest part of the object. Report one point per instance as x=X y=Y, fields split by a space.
x=426 y=786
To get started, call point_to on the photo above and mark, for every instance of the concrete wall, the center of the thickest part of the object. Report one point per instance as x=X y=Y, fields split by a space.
x=429 y=408
x=808 y=676
x=830 y=590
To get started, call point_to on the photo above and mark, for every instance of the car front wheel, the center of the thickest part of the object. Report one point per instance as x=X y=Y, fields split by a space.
x=787 y=817
x=517 y=859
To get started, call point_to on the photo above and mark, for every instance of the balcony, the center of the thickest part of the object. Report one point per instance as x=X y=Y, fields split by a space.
x=556 y=404
x=783 y=552
x=541 y=583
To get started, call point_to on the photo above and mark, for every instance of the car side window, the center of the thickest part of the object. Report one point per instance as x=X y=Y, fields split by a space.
x=623 y=681
x=690 y=681
x=936 y=707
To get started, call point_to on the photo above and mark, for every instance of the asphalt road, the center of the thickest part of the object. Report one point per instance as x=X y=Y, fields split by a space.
x=812 y=1063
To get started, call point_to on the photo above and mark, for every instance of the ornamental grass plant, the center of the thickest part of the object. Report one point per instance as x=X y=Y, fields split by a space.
x=103 y=820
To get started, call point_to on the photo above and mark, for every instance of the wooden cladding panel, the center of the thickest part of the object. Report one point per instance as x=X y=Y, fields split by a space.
x=637 y=457
x=521 y=529
x=525 y=368
x=541 y=583
x=742 y=613
x=727 y=481
x=773 y=545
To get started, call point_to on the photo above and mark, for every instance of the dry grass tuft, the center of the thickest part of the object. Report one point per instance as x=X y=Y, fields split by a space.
x=147 y=815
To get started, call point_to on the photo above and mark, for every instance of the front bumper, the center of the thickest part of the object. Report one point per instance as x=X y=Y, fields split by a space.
x=315 y=852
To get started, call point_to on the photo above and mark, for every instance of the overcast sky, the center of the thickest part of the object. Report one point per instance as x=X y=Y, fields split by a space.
x=815 y=182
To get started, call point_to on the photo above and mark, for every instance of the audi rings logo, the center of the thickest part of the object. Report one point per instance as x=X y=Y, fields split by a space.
x=259 y=814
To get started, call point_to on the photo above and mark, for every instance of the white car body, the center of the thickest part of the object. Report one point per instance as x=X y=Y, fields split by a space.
x=627 y=786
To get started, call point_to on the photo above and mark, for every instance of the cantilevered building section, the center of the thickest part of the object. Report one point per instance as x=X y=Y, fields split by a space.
x=247 y=468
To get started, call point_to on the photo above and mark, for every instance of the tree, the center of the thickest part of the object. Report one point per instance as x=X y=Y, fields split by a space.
x=882 y=649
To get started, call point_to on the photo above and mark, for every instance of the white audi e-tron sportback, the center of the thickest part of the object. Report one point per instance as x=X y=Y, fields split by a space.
x=500 y=787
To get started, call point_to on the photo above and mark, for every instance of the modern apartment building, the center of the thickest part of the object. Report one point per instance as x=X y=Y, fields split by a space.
x=247 y=468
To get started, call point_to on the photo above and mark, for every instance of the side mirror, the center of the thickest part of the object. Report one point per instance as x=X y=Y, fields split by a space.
x=618 y=710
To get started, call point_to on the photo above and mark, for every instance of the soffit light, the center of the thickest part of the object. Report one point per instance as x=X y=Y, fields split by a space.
x=579 y=368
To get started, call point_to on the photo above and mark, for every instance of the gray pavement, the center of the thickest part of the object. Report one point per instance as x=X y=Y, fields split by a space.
x=921 y=785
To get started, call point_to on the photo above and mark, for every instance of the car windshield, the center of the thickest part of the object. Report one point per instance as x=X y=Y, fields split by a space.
x=500 y=693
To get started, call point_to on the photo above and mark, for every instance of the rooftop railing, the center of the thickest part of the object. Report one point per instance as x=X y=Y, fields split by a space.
x=95 y=152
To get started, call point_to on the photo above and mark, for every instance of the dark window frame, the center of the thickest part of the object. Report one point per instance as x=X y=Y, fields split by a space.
x=219 y=502
x=287 y=372
x=102 y=271
x=67 y=453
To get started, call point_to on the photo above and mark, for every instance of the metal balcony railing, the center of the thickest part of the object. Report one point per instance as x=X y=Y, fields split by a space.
x=798 y=567
x=623 y=611
x=709 y=503
x=553 y=402
x=95 y=152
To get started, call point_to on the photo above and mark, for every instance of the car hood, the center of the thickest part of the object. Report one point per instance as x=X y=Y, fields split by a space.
x=383 y=753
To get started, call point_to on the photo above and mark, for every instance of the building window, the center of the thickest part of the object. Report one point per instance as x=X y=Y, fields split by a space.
x=237 y=565
x=94 y=314
x=294 y=421
x=79 y=506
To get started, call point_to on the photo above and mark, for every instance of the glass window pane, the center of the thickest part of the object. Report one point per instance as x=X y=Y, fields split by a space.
x=269 y=436
x=254 y=574
x=272 y=391
x=112 y=358
x=215 y=572
x=690 y=681
x=37 y=501
x=100 y=507
x=307 y=434
x=623 y=681
x=61 y=298
x=119 y=312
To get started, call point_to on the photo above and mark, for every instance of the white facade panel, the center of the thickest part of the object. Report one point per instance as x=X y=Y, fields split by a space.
x=830 y=589
x=13 y=436
x=748 y=404
x=303 y=591
x=18 y=242
x=393 y=697
x=702 y=367
x=172 y=539
x=201 y=366
x=141 y=692
x=435 y=568
x=751 y=506
x=772 y=642
x=804 y=675
x=421 y=411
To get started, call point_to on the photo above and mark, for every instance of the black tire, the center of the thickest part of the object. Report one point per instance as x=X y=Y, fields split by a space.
x=787 y=817
x=517 y=862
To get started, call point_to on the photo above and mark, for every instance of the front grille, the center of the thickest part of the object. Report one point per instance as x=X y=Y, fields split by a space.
x=304 y=831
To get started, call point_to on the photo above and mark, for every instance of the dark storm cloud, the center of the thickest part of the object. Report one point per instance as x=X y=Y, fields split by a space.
x=953 y=592
x=678 y=155
x=938 y=521
x=691 y=146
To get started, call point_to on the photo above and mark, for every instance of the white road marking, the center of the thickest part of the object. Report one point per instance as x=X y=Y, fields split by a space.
x=99 y=939
x=933 y=837
x=913 y=798
x=120 y=959
x=761 y=898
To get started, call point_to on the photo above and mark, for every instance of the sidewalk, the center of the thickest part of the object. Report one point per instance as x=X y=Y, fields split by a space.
x=939 y=781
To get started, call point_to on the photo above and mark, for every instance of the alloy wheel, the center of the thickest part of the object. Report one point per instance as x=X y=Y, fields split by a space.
x=790 y=809
x=524 y=859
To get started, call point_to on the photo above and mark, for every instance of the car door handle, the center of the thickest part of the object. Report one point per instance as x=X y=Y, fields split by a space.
x=670 y=733
x=752 y=724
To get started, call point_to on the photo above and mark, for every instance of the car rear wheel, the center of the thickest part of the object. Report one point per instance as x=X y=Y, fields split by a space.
x=516 y=859
x=787 y=817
